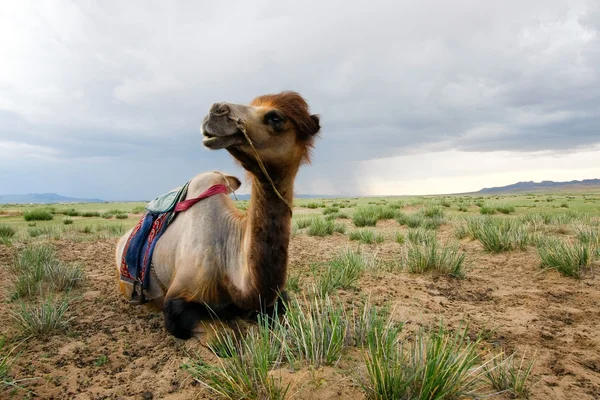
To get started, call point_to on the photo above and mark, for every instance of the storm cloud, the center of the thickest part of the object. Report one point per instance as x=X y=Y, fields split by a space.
x=105 y=99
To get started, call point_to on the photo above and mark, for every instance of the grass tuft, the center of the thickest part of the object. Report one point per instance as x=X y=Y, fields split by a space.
x=486 y=210
x=434 y=365
x=366 y=236
x=38 y=214
x=322 y=227
x=37 y=266
x=368 y=216
x=435 y=257
x=508 y=375
x=43 y=318
x=316 y=329
x=343 y=272
x=499 y=234
x=421 y=236
x=400 y=239
x=303 y=222
x=505 y=209
x=7 y=232
x=567 y=259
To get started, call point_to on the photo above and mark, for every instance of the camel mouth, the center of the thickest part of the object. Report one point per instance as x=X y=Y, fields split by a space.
x=213 y=141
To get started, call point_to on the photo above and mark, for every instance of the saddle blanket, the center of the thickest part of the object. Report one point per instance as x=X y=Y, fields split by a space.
x=160 y=212
x=137 y=254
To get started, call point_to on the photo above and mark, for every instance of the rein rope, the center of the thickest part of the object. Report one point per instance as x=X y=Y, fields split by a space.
x=240 y=125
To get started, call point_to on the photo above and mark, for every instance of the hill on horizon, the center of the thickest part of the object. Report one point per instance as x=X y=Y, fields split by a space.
x=42 y=198
x=544 y=186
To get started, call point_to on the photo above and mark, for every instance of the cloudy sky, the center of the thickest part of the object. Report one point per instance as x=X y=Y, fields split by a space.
x=105 y=99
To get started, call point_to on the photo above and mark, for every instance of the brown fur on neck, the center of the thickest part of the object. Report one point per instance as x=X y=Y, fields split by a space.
x=269 y=227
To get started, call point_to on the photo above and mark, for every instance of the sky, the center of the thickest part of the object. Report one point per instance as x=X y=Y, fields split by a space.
x=105 y=99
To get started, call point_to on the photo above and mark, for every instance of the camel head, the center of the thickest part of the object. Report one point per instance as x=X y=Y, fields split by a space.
x=280 y=127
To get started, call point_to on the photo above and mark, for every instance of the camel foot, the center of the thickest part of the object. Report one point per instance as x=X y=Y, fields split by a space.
x=181 y=317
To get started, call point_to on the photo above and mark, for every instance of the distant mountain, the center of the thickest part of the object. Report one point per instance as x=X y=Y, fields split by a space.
x=544 y=186
x=42 y=198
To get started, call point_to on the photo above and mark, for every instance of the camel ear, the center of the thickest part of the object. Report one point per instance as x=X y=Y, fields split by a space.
x=234 y=182
x=316 y=124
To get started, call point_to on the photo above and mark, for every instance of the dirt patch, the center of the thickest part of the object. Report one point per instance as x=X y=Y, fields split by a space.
x=115 y=351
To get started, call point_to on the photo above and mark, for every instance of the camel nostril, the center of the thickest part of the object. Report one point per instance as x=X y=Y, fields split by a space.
x=219 y=109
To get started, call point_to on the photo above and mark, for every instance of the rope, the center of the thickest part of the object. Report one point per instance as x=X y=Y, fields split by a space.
x=240 y=125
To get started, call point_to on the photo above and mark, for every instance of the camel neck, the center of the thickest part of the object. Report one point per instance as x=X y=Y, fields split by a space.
x=269 y=230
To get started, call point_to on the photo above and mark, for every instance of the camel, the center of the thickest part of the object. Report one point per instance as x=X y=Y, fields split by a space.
x=215 y=259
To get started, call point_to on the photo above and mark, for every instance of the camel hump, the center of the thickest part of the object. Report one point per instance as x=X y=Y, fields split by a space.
x=205 y=180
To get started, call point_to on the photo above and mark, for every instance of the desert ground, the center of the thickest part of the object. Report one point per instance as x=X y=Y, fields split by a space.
x=516 y=274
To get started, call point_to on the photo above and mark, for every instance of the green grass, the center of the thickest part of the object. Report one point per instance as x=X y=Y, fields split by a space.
x=86 y=229
x=247 y=371
x=433 y=211
x=102 y=360
x=499 y=234
x=67 y=221
x=368 y=322
x=322 y=227
x=37 y=267
x=429 y=217
x=433 y=365
x=366 y=236
x=436 y=258
x=316 y=329
x=293 y=283
x=7 y=232
x=6 y=361
x=588 y=235
x=342 y=272
x=90 y=214
x=331 y=210
x=487 y=210
x=70 y=212
x=568 y=259
x=43 y=318
x=461 y=231
x=507 y=374
x=505 y=209
x=303 y=222
x=369 y=215
x=400 y=239
x=111 y=229
x=414 y=220
x=421 y=236
x=38 y=214
x=49 y=230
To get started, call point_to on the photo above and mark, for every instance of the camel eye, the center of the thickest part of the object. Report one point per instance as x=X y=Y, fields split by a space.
x=275 y=119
